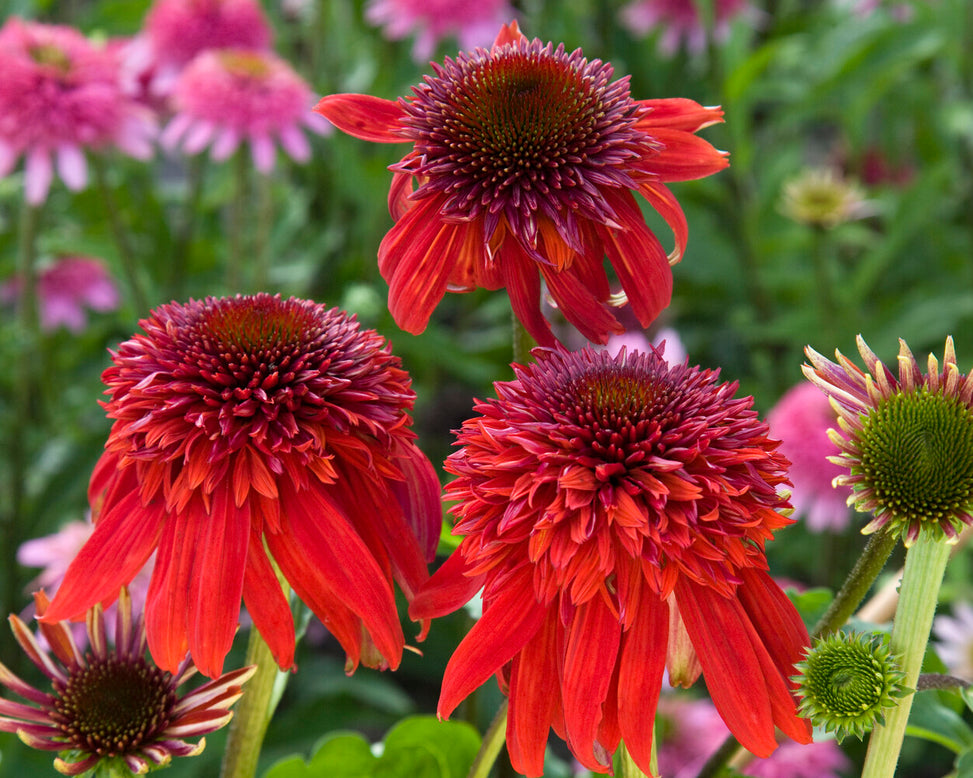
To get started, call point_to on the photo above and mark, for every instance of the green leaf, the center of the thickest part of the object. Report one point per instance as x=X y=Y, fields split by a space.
x=338 y=755
x=932 y=721
x=424 y=747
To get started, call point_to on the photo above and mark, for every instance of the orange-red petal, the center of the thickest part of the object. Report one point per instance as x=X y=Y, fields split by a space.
x=363 y=116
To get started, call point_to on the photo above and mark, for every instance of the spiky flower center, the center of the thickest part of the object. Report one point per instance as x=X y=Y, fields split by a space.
x=847 y=681
x=917 y=456
x=113 y=705
x=524 y=126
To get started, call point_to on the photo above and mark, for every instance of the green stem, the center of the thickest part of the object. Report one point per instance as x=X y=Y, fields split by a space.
x=625 y=766
x=182 y=246
x=493 y=741
x=925 y=564
x=16 y=518
x=238 y=220
x=120 y=236
x=877 y=551
x=253 y=712
x=265 y=216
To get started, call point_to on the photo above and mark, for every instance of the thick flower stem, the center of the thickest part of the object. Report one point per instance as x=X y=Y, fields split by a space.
x=877 y=551
x=493 y=741
x=252 y=714
x=925 y=564
x=626 y=767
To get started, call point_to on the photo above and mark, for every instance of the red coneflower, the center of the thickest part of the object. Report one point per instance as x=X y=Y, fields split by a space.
x=111 y=704
x=612 y=506
x=252 y=429
x=524 y=157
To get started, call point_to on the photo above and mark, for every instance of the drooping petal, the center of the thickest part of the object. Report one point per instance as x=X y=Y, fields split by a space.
x=592 y=642
x=447 y=590
x=639 y=260
x=363 y=116
x=641 y=664
x=167 y=603
x=534 y=699
x=420 y=496
x=512 y=619
x=118 y=548
x=219 y=566
x=318 y=550
x=267 y=605
x=731 y=667
x=579 y=306
x=685 y=157
x=416 y=257
x=522 y=281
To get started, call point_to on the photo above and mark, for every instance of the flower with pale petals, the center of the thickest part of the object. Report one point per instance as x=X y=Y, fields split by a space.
x=254 y=435
x=474 y=24
x=525 y=158
x=61 y=95
x=954 y=640
x=176 y=31
x=822 y=197
x=65 y=288
x=906 y=442
x=801 y=420
x=231 y=96
x=614 y=511
x=111 y=705
x=680 y=20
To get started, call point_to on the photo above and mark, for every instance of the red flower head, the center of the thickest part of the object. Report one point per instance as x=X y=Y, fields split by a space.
x=250 y=425
x=524 y=157
x=614 y=511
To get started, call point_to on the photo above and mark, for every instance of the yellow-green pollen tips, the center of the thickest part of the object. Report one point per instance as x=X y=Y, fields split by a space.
x=916 y=463
x=847 y=682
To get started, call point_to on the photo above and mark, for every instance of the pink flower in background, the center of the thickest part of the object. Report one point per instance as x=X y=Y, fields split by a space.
x=60 y=95
x=53 y=553
x=472 y=23
x=680 y=20
x=227 y=97
x=954 y=640
x=801 y=420
x=176 y=31
x=693 y=730
x=65 y=288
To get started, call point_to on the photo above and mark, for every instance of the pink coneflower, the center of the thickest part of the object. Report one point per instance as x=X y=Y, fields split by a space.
x=693 y=730
x=680 y=20
x=176 y=31
x=801 y=420
x=65 y=288
x=473 y=24
x=255 y=436
x=227 y=97
x=607 y=503
x=111 y=705
x=54 y=554
x=60 y=95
